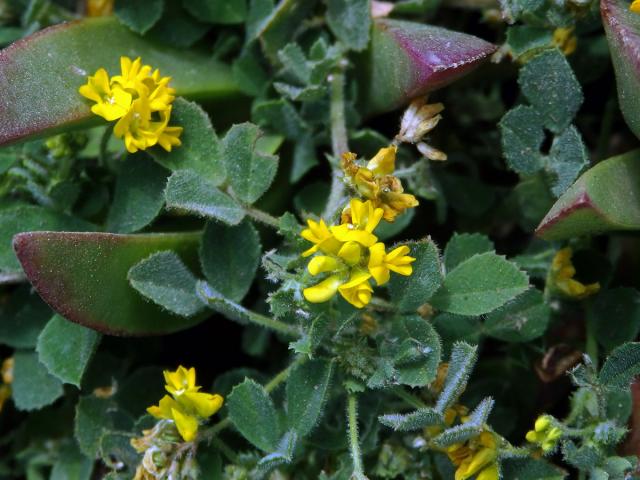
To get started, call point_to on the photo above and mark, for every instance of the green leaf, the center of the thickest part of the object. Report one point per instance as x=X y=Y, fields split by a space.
x=531 y=469
x=524 y=39
x=522 y=320
x=471 y=428
x=252 y=412
x=606 y=197
x=115 y=451
x=92 y=420
x=409 y=293
x=409 y=422
x=350 y=21
x=567 y=157
x=307 y=393
x=164 y=279
x=140 y=15
x=177 y=28
x=275 y=27
x=417 y=353
x=463 y=246
x=622 y=26
x=70 y=271
x=139 y=195
x=68 y=54
x=230 y=257
x=522 y=134
x=33 y=387
x=71 y=464
x=250 y=172
x=22 y=318
x=479 y=285
x=621 y=366
x=66 y=349
x=200 y=150
x=463 y=358
x=28 y=218
x=615 y=316
x=549 y=84
x=407 y=59
x=226 y=12
x=187 y=190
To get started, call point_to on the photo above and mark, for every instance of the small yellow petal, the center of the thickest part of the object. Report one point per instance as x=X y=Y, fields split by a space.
x=321 y=264
x=186 y=424
x=323 y=291
x=205 y=404
x=384 y=162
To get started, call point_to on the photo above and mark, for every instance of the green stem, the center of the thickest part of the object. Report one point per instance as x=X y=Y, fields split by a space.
x=273 y=324
x=262 y=217
x=408 y=397
x=339 y=143
x=226 y=451
x=354 y=442
x=591 y=344
x=604 y=136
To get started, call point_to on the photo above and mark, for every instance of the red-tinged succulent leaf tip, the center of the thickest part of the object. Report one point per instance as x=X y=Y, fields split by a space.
x=83 y=277
x=554 y=216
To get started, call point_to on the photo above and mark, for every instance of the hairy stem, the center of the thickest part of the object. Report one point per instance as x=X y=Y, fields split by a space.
x=339 y=143
x=262 y=217
x=354 y=442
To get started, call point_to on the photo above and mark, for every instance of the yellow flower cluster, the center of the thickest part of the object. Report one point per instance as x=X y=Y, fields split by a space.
x=544 y=433
x=139 y=101
x=351 y=256
x=374 y=181
x=476 y=456
x=635 y=6
x=561 y=277
x=565 y=40
x=186 y=406
x=6 y=373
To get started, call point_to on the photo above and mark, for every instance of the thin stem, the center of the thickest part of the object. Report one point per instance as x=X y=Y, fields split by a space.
x=273 y=324
x=381 y=304
x=262 y=217
x=226 y=451
x=339 y=143
x=408 y=397
x=605 y=128
x=354 y=442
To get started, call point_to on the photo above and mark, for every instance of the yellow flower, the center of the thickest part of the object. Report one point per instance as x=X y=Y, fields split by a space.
x=186 y=406
x=544 y=433
x=381 y=263
x=561 y=277
x=635 y=6
x=357 y=291
x=352 y=255
x=565 y=40
x=375 y=182
x=476 y=456
x=112 y=102
x=140 y=100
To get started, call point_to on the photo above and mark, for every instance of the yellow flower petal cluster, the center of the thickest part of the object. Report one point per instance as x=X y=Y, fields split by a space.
x=476 y=456
x=139 y=101
x=375 y=181
x=186 y=405
x=350 y=256
x=635 y=6
x=99 y=8
x=561 y=277
x=544 y=433
x=6 y=373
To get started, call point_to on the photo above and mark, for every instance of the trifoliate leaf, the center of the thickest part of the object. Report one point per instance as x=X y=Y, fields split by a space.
x=463 y=246
x=567 y=158
x=522 y=136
